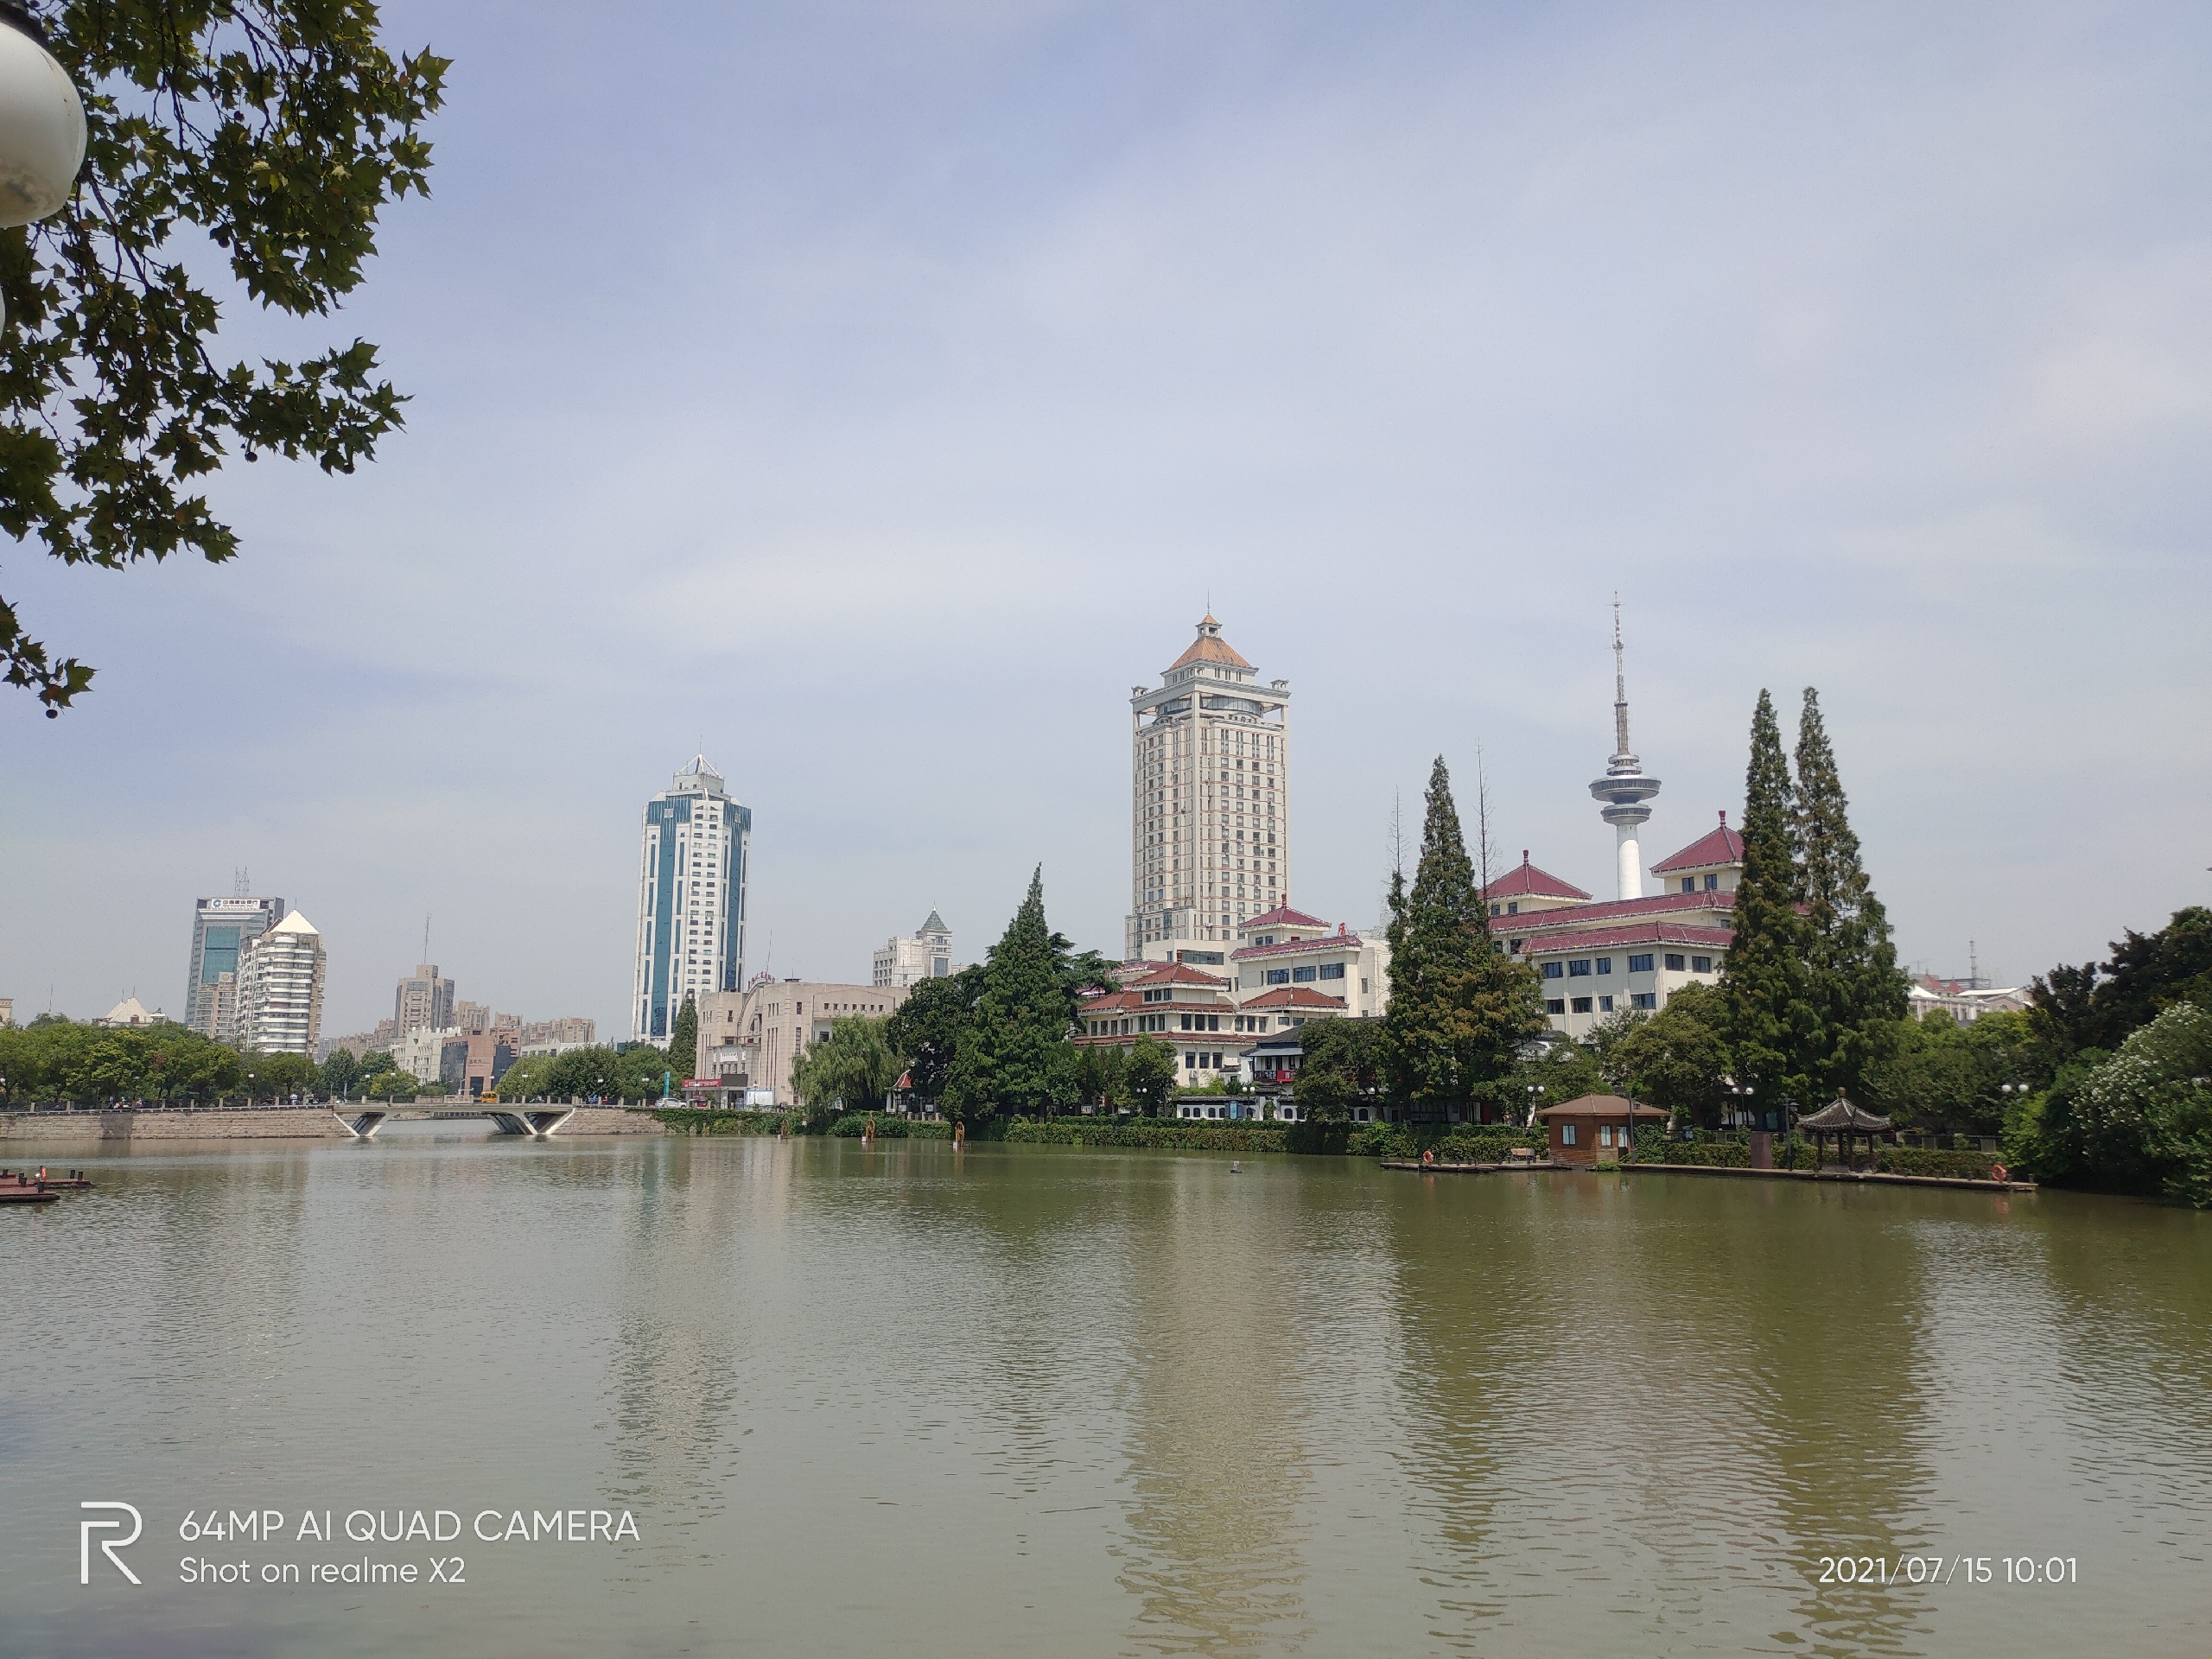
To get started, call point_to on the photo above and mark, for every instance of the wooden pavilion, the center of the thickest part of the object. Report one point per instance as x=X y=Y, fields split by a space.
x=1843 y=1122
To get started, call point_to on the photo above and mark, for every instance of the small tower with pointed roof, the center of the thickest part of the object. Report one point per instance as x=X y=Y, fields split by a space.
x=1209 y=802
x=1625 y=789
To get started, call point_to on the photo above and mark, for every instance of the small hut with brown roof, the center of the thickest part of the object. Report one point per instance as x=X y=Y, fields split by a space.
x=1597 y=1128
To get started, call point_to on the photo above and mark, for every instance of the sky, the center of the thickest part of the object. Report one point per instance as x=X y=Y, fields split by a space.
x=870 y=394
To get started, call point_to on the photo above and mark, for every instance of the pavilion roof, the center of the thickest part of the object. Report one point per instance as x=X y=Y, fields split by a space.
x=1841 y=1117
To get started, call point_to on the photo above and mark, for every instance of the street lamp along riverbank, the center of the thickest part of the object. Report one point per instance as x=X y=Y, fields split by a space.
x=41 y=123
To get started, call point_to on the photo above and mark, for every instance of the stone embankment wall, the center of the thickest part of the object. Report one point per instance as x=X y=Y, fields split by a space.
x=607 y=1120
x=280 y=1123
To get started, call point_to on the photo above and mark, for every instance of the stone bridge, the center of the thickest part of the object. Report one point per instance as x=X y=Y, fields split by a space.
x=540 y=1122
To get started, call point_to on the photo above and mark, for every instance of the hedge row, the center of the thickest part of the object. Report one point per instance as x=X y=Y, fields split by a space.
x=1155 y=1132
x=1927 y=1161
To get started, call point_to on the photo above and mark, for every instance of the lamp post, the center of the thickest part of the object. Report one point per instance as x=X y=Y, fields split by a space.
x=1536 y=1093
x=1738 y=1094
x=41 y=122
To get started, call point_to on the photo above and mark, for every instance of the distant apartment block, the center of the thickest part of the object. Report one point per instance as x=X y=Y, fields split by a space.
x=423 y=1002
x=221 y=929
x=280 y=989
x=693 y=865
x=926 y=953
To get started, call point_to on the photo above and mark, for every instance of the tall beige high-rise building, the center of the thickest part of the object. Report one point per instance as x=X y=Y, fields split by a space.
x=280 y=989
x=1209 y=800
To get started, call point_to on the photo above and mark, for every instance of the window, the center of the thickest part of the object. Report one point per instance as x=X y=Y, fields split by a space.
x=1581 y=1005
x=1303 y=976
x=1605 y=1134
x=1333 y=971
x=1605 y=965
x=1689 y=884
x=1566 y=1134
x=1497 y=910
x=1579 y=969
x=1644 y=1000
x=1190 y=1061
x=1605 y=1005
x=1675 y=963
x=1555 y=1005
x=1554 y=971
x=1187 y=1022
x=1701 y=964
x=1278 y=976
x=1513 y=909
x=1639 y=965
x=1712 y=883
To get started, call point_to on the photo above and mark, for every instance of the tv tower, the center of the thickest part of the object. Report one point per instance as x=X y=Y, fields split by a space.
x=1625 y=789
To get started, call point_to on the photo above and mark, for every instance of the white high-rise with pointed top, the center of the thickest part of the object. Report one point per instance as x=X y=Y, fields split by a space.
x=1625 y=789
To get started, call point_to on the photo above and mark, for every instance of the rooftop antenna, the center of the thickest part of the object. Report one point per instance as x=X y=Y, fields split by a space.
x=1973 y=968
x=241 y=882
x=1620 y=686
x=426 y=938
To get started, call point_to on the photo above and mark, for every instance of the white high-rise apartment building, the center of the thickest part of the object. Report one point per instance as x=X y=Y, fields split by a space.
x=926 y=953
x=280 y=989
x=691 y=878
x=1210 y=794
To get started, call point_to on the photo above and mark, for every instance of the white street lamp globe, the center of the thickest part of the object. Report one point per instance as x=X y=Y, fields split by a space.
x=42 y=124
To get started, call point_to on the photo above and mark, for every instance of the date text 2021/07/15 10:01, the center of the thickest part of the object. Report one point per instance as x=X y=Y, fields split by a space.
x=1948 y=1569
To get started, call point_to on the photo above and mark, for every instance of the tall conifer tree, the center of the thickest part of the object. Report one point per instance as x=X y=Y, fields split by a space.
x=1457 y=1005
x=1014 y=1055
x=1854 y=988
x=1767 y=1017
x=683 y=1038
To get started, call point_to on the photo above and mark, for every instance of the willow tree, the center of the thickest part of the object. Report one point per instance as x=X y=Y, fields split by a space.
x=274 y=130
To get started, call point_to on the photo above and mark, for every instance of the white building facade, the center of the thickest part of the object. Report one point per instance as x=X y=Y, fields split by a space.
x=1209 y=800
x=693 y=863
x=280 y=989
x=926 y=953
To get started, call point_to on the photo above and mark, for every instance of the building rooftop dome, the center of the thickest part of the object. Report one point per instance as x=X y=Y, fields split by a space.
x=1208 y=647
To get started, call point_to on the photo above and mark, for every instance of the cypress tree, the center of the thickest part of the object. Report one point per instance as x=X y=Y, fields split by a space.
x=683 y=1038
x=1855 y=991
x=1765 y=1014
x=1014 y=1055
x=1457 y=1005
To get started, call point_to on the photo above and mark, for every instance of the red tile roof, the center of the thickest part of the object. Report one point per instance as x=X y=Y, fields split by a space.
x=1208 y=647
x=1326 y=942
x=1721 y=845
x=1282 y=916
x=1719 y=938
x=1529 y=882
x=1293 y=996
x=1599 y=1106
x=1177 y=972
x=1610 y=910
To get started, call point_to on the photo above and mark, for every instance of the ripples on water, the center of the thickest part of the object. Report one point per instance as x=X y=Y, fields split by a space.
x=1014 y=1401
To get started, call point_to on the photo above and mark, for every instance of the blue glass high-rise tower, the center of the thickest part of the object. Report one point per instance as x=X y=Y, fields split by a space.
x=691 y=877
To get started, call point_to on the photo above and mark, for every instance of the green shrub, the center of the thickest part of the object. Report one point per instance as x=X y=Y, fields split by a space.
x=1928 y=1160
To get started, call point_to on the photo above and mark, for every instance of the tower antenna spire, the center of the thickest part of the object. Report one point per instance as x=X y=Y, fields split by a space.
x=1620 y=686
x=1624 y=790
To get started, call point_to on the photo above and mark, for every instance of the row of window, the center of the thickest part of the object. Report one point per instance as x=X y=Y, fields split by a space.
x=1603 y=1004
x=1585 y=967
x=1606 y=1133
x=1303 y=976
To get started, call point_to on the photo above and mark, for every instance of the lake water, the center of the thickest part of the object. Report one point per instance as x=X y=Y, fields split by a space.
x=1050 y=1401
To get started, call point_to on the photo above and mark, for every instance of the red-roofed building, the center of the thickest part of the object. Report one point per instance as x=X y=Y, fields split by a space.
x=1600 y=958
x=1713 y=862
x=1528 y=889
